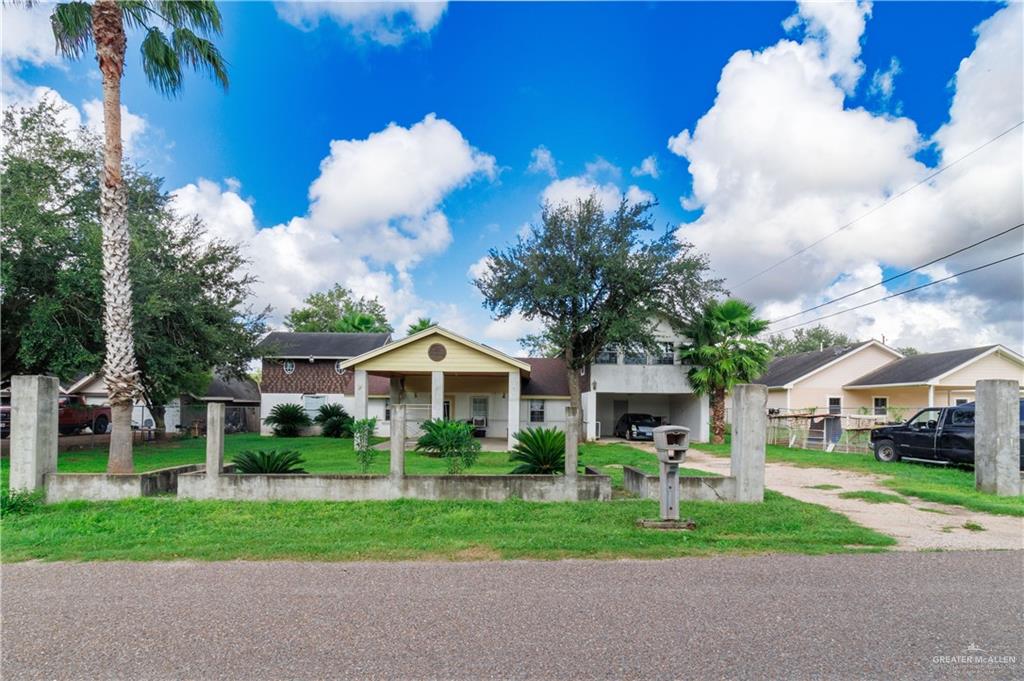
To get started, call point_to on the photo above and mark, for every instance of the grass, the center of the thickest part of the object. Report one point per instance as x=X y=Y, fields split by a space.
x=872 y=497
x=822 y=486
x=161 y=528
x=973 y=526
x=953 y=486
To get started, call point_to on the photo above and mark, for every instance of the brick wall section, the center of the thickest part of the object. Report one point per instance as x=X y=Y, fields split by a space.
x=318 y=378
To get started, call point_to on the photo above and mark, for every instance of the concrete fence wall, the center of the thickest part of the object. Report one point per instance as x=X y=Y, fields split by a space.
x=691 y=487
x=383 y=487
x=103 y=487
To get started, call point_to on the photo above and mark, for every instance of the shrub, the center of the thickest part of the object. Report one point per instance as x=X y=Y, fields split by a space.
x=287 y=419
x=334 y=421
x=451 y=440
x=19 y=502
x=273 y=461
x=362 y=434
x=539 y=451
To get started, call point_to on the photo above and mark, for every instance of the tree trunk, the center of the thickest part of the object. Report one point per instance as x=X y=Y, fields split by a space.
x=159 y=413
x=718 y=416
x=575 y=398
x=119 y=368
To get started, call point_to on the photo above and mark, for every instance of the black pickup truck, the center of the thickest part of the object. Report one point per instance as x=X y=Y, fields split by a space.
x=933 y=434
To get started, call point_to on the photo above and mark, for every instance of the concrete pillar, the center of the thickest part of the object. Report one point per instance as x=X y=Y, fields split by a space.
x=397 y=440
x=33 y=431
x=997 y=437
x=214 y=441
x=572 y=443
x=590 y=414
x=514 y=406
x=669 y=490
x=437 y=394
x=395 y=393
x=749 y=437
x=361 y=394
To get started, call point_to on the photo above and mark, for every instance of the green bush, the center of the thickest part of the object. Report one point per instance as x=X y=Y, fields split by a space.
x=269 y=462
x=539 y=451
x=20 y=501
x=287 y=419
x=362 y=436
x=451 y=440
x=334 y=421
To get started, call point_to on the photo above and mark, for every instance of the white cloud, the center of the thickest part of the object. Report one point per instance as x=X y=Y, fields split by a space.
x=600 y=178
x=779 y=162
x=479 y=268
x=375 y=211
x=649 y=167
x=541 y=161
x=27 y=37
x=386 y=23
x=883 y=83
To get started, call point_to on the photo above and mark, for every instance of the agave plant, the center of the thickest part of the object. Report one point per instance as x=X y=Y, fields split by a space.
x=269 y=462
x=451 y=440
x=287 y=419
x=334 y=421
x=539 y=451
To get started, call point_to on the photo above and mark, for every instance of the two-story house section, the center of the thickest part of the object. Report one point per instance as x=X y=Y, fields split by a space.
x=621 y=382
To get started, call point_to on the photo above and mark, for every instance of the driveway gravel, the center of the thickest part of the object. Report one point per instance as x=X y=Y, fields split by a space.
x=892 y=615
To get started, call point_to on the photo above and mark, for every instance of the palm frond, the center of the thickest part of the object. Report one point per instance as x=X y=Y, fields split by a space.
x=200 y=15
x=160 y=62
x=201 y=54
x=273 y=462
x=72 y=28
x=539 y=451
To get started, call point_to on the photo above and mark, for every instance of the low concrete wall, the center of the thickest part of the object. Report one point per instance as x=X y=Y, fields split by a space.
x=691 y=488
x=103 y=487
x=380 y=487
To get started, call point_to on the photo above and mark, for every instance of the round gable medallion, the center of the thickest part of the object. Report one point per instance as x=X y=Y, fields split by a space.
x=437 y=352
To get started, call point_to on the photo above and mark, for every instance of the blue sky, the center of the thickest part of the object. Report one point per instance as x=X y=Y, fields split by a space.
x=587 y=81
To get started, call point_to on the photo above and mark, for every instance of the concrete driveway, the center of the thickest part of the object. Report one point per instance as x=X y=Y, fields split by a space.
x=890 y=615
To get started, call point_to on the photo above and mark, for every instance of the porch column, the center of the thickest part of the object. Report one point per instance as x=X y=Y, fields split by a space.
x=931 y=396
x=513 y=406
x=437 y=394
x=360 y=394
x=590 y=414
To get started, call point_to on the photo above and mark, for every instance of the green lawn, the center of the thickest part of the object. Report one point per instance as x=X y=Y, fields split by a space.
x=953 y=486
x=161 y=528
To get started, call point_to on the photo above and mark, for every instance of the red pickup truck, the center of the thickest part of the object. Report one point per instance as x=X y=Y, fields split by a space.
x=73 y=415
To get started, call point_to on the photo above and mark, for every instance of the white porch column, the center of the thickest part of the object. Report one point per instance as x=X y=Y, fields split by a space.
x=513 y=406
x=360 y=394
x=931 y=396
x=703 y=433
x=589 y=399
x=437 y=394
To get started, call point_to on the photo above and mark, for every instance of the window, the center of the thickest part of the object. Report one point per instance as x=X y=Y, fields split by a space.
x=961 y=400
x=881 y=406
x=636 y=358
x=536 y=411
x=289 y=366
x=607 y=355
x=480 y=411
x=835 y=405
x=926 y=419
x=312 y=404
x=337 y=367
x=963 y=416
x=668 y=354
x=387 y=409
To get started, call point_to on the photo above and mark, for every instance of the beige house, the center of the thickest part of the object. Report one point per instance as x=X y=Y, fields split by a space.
x=872 y=378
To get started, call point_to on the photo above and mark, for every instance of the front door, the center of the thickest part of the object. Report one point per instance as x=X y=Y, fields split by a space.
x=447 y=408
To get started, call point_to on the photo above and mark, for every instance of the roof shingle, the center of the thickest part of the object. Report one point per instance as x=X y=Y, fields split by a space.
x=919 y=368
x=320 y=344
x=785 y=370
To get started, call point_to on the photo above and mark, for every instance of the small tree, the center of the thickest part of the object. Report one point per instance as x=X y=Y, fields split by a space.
x=451 y=440
x=420 y=324
x=362 y=442
x=593 y=280
x=722 y=351
x=288 y=419
x=807 y=340
x=324 y=310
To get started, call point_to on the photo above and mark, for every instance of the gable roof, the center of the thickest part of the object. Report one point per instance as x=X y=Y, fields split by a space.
x=440 y=331
x=922 y=368
x=547 y=378
x=325 y=345
x=787 y=370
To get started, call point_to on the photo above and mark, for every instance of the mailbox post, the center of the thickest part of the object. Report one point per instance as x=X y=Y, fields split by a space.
x=671 y=443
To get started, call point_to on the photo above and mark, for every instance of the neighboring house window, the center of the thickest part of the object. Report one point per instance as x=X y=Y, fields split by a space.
x=608 y=355
x=312 y=404
x=387 y=409
x=667 y=356
x=337 y=367
x=289 y=366
x=480 y=411
x=636 y=358
x=881 y=406
x=536 y=411
x=961 y=400
x=835 y=405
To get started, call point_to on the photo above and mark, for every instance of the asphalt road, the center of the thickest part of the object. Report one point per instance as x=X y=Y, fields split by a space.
x=885 y=616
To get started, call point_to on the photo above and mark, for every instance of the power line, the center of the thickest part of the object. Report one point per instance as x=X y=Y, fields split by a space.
x=901 y=293
x=885 y=203
x=896 y=276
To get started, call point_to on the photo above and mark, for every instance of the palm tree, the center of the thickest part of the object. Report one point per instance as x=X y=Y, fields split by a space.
x=722 y=351
x=103 y=23
x=359 y=322
x=420 y=324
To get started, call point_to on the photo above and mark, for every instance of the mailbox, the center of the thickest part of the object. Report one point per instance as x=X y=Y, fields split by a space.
x=671 y=443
